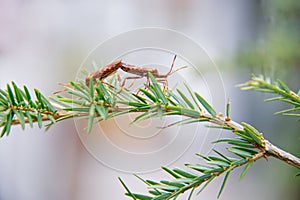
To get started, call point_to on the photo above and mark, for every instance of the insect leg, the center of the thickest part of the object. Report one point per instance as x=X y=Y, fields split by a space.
x=127 y=78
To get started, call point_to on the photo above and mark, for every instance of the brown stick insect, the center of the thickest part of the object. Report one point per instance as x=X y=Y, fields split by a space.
x=132 y=69
x=104 y=72
x=128 y=68
x=144 y=72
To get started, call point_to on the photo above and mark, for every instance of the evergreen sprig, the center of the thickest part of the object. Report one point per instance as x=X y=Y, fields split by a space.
x=100 y=101
x=198 y=176
x=93 y=101
x=18 y=107
x=278 y=87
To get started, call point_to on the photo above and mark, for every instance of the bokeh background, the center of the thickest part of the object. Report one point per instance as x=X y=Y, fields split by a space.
x=44 y=42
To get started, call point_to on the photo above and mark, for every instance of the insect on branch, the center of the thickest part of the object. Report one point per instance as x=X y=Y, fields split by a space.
x=144 y=72
x=104 y=72
x=131 y=69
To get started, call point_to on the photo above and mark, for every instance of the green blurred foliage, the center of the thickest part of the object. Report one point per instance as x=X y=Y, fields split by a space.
x=275 y=52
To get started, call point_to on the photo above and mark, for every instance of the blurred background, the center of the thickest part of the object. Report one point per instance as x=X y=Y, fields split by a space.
x=43 y=43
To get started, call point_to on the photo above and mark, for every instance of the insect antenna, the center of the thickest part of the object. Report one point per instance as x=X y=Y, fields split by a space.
x=172 y=66
x=170 y=71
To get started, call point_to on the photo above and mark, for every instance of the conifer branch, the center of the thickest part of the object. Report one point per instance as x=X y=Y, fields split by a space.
x=262 y=84
x=97 y=102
